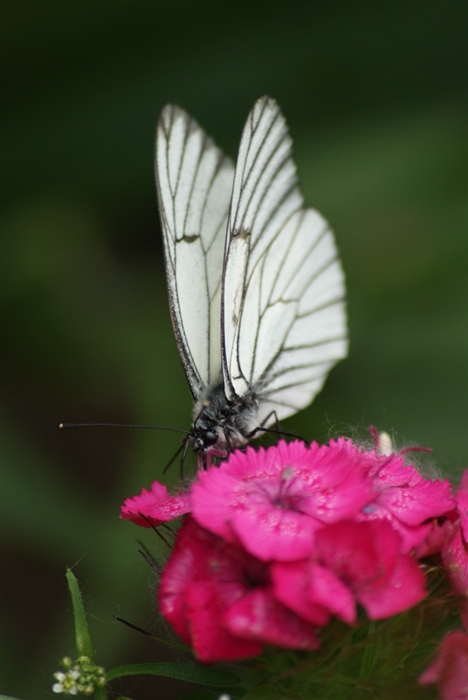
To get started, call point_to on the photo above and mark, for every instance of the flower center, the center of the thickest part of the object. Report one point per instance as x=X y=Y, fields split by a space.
x=287 y=493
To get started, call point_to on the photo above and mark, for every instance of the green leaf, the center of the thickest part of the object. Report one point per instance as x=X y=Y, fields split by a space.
x=82 y=638
x=184 y=672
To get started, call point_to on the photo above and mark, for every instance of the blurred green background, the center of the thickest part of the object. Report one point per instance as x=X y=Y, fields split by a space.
x=374 y=95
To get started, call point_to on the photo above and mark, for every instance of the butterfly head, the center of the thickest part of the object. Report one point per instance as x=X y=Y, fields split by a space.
x=206 y=439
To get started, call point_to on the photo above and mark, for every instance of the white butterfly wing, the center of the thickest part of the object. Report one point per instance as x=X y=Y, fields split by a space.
x=283 y=313
x=194 y=182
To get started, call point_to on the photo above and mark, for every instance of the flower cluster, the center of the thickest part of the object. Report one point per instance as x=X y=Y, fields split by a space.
x=277 y=541
x=80 y=676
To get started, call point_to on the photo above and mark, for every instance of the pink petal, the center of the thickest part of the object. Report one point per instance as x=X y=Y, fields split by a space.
x=441 y=531
x=366 y=556
x=455 y=559
x=215 y=497
x=156 y=505
x=261 y=463
x=338 y=480
x=211 y=638
x=449 y=669
x=420 y=500
x=404 y=588
x=411 y=537
x=182 y=567
x=291 y=584
x=258 y=616
x=275 y=534
x=358 y=552
x=326 y=589
x=265 y=515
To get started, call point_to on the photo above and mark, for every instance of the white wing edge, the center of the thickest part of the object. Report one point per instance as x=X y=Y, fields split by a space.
x=194 y=183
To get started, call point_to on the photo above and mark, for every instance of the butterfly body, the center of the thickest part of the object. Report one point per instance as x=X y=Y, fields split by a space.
x=221 y=425
x=256 y=289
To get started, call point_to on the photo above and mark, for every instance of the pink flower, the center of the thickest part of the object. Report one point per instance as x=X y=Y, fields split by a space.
x=441 y=531
x=406 y=499
x=156 y=505
x=352 y=563
x=281 y=539
x=219 y=599
x=449 y=669
x=273 y=501
x=312 y=591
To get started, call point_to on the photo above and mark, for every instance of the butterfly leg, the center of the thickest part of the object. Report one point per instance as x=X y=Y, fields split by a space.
x=278 y=431
x=261 y=428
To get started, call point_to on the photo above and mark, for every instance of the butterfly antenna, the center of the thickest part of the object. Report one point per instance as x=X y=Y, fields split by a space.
x=72 y=426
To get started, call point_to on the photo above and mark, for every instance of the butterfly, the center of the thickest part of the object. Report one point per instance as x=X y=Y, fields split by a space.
x=256 y=289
